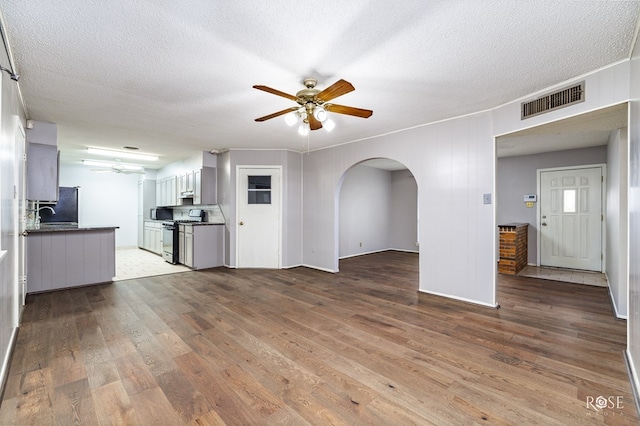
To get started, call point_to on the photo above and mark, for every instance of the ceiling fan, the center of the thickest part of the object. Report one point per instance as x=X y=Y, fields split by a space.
x=313 y=103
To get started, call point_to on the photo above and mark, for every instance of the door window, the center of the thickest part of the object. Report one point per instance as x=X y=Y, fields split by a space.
x=259 y=191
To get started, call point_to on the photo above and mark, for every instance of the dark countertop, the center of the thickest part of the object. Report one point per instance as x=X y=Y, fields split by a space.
x=67 y=228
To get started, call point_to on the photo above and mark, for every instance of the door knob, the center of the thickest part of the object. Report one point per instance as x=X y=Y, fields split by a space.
x=544 y=223
x=241 y=223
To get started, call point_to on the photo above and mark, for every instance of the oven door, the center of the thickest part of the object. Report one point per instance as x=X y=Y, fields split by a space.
x=169 y=248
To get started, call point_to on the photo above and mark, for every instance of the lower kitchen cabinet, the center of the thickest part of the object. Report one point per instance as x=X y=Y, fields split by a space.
x=201 y=246
x=152 y=239
x=61 y=259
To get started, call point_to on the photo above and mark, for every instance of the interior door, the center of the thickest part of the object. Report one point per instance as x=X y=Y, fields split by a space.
x=258 y=217
x=571 y=218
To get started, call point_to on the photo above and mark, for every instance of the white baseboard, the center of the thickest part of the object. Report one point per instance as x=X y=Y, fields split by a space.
x=319 y=268
x=462 y=299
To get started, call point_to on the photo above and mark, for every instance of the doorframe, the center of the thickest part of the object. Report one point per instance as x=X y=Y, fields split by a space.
x=603 y=208
x=280 y=211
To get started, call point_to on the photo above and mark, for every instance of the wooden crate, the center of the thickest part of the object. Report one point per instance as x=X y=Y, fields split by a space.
x=513 y=248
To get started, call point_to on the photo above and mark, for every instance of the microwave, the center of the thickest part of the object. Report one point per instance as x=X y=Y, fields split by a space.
x=161 y=214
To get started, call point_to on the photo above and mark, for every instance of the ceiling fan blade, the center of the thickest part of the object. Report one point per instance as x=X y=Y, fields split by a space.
x=275 y=92
x=276 y=114
x=341 y=109
x=338 y=88
x=314 y=124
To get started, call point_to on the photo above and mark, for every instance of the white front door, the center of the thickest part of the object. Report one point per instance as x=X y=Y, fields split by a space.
x=571 y=218
x=258 y=217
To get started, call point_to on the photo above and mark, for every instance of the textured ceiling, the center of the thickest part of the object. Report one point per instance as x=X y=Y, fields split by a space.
x=175 y=77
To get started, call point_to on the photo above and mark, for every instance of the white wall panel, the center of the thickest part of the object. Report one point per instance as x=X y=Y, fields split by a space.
x=403 y=211
x=616 y=221
x=433 y=154
x=633 y=322
x=365 y=198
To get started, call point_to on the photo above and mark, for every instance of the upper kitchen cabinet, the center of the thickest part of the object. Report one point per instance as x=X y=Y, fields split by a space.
x=205 y=186
x=43 y=161
x=166 y=192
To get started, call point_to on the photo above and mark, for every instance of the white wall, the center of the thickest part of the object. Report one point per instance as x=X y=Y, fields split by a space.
x=365 y=196
x=616 y=221
x=403 y=211
x=517 y=176
x=633 y=322
x=106 y=199
x=453 y=165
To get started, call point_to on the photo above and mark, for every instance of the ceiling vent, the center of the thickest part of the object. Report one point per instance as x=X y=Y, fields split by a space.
x=552 y=101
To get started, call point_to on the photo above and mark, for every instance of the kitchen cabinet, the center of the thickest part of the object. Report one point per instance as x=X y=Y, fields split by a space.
x=201 y=246
x=69 y=258
x=181 y=244
x=205 y=186
x=43 y=163
x=186 y=183
x=188 y=248
x=153 y=237
x=166 y=192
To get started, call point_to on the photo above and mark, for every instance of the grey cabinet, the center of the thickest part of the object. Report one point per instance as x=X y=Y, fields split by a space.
x=205 y=189
x=58 y=260
x=201 y=246
x=42 y=172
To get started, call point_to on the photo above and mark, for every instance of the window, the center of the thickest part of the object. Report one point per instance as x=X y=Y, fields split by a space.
x=259 y=191
x=569 y=202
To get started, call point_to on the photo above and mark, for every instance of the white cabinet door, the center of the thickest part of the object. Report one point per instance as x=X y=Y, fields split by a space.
x=188 y=249
x=181 y=247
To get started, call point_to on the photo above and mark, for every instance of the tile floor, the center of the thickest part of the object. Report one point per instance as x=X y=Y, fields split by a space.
x=136 y=263
x=565 y=275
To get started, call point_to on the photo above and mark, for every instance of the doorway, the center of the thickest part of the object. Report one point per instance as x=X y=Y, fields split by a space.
x=377 y=216
x=259 y=216
x=571 y=217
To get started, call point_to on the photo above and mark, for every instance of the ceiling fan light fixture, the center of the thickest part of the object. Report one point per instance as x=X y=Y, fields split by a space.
x=303 y=129
x=291 y=119
x=320 y=114
x=328 y=125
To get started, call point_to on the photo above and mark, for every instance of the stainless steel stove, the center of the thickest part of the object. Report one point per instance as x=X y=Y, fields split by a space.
x=170 y=234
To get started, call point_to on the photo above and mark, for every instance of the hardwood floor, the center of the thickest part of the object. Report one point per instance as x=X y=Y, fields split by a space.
x=245 y=347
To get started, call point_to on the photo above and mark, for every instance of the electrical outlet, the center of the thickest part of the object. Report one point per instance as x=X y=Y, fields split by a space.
x=360 y=243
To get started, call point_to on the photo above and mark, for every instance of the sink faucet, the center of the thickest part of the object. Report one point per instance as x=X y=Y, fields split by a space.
x=47 y=207
x=38 y=213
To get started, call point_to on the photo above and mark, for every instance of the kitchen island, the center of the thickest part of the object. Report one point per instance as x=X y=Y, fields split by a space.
x=63 y=255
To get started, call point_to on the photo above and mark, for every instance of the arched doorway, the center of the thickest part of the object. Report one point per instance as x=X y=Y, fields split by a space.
x=377 y=213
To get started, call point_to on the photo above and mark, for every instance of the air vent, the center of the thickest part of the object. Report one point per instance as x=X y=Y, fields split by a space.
x=565 y=97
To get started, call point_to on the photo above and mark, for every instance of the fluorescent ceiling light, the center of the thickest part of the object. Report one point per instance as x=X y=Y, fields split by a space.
x=97 y=163
x=118 y=166
x=122 y=154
